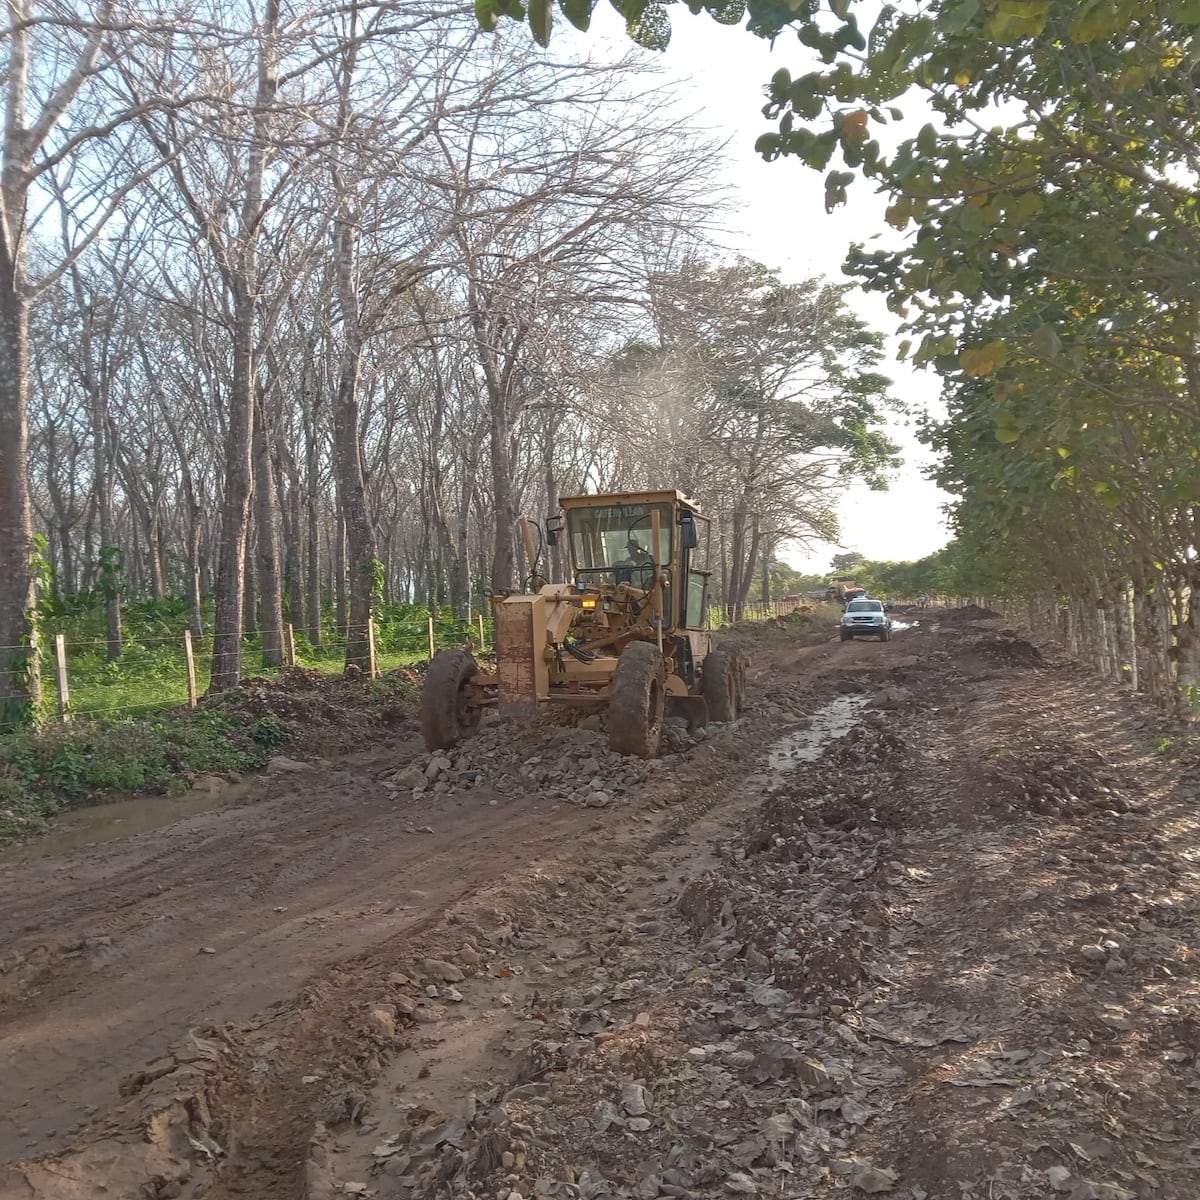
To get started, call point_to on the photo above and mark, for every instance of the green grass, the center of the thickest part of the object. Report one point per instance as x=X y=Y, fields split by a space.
x=153 y=678
x=144 y=679
x=131 y=732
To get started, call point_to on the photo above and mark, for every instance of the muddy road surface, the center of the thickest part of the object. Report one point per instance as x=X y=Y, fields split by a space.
x=922 y=924
x=114 y=952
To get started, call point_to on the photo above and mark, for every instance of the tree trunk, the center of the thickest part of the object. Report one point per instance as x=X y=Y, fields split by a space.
x=503 y=562
x=359 y=537
x=292 y=507
x=339 y=571
x=266 y=535
x=1100 y=635
x=194 y=593
x=724 y=566
x=737 y=541
x=555 y=552
x=20 y=683
x=67 y=550
x=499 y=428
x=1149 y=619
x=462 y=564
x=235 y=509
x=249 y=593
x=231 y=552
x=87 y=565
x=747 y=574
x=312 y=512
x=1145 y=667
x=1187 y=643
x=111 y=560
x=312 y=615
x=1127 y=666
x=154 y=553
x=355 y=520
x=1112 y=641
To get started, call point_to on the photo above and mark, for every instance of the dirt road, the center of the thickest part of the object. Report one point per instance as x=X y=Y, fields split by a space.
x=126 y=946
x=953 y=956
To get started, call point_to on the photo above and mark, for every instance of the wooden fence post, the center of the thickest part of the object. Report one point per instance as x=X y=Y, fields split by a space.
x=431 y=638
x=372 y=667
x=482 y=643
x=290 y=644
x=60 y=677
x=191 y=667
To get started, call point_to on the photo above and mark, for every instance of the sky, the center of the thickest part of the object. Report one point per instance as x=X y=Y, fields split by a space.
x=778 y=218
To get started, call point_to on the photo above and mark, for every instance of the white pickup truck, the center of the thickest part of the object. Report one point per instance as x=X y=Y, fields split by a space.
x=866 y=618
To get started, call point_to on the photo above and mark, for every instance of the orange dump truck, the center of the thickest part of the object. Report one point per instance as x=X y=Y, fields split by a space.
x=843 y=588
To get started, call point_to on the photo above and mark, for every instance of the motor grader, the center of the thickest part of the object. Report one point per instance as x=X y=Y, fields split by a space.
x=628 y=632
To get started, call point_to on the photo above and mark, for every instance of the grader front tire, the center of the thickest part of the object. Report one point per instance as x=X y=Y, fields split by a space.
x=446 y=717
x=638 y=703
x=719 y=683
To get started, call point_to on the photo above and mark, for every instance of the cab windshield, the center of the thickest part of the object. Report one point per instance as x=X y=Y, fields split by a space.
x=617 y=537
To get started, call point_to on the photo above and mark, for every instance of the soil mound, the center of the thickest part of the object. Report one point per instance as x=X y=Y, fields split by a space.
x=1007 y=651
x=340 y=711
x=970 y=612
x=1054 y=779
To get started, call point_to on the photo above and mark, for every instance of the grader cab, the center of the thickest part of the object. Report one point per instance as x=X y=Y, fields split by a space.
x=628 y=632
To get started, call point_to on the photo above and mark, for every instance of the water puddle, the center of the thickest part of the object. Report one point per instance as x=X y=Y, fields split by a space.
x=898 y=625
x=123 y=818
x=835 y=720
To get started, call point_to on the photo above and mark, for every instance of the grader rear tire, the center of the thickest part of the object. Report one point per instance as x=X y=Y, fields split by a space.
x=719 y=683
x=740 y=666
x=638 y=702
x=445 y=716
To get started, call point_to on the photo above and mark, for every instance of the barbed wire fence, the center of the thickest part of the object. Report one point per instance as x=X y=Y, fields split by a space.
x=160 y=673
x=757 y=610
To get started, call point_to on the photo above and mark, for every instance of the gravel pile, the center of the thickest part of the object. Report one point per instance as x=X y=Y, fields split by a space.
x=572 y=764
x=1054 y=779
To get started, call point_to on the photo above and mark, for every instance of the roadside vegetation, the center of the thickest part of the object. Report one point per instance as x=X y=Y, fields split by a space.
x=303 y=712
x=44 y=771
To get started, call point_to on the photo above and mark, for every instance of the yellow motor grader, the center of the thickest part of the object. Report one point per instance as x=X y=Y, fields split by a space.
x=629 y=630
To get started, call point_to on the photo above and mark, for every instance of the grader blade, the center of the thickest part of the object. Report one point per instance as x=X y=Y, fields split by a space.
x=521 y=670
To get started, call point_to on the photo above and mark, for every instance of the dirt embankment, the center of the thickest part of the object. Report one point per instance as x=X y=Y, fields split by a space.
x=951 y=957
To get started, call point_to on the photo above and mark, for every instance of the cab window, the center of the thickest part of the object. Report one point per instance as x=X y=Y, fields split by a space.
x=612 y=542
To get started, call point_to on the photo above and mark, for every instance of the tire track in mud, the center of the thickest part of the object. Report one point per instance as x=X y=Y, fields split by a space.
x=91 y=1018
x=271 y=1158
x=708 y=798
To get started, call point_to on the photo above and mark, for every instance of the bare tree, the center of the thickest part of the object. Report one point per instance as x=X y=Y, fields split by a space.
x=388 y=286
x=52 y=62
